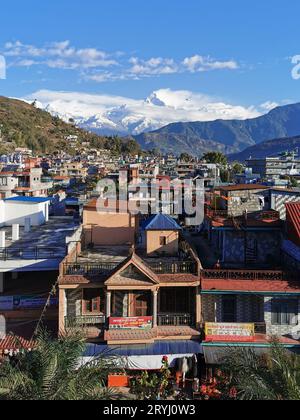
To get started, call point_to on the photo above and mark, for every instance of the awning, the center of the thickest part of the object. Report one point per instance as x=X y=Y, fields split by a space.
x=158 y=348
x=214 y=354
x=143 y=357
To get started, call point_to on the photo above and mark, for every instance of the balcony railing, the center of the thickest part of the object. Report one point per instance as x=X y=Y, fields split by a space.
x=177 y=320
x=31 y=253
x=89 y=269
x=173 y=267
x=85 y=321
x=244 y=275
x=95 y=269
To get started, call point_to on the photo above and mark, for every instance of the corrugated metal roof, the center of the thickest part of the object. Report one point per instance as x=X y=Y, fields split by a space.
x=293 y=221
x=161 y=222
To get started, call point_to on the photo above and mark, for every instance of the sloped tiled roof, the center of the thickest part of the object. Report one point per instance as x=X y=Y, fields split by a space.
x=161 y=222
x=137 y=262
x=259 y=286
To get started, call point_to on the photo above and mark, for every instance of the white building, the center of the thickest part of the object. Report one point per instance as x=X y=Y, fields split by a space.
x=24 y=210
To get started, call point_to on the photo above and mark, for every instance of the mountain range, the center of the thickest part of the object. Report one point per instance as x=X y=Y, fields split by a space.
x=163 y=120
x=268 y=148
x=118 y=115
x=228 y=136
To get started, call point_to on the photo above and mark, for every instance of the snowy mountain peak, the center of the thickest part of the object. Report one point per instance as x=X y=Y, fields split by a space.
x=107 y=114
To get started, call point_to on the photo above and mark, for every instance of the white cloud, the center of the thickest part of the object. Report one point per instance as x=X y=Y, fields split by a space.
x=269 y=105
x=154 y=66
x=128 y=115
x=59 y=55
x=199 y=63
x=100 y=66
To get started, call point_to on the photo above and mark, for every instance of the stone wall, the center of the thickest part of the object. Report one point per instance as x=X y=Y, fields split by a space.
x=277 y=330
x=241 y=201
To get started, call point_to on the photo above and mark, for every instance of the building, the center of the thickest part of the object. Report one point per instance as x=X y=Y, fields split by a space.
x=279 y=197
x=28 y=183
x=245 y=308
x=24 y=211
x=75 y=170
x=275 y=167
x=238 y=199
x=291 y=243
x=108 y=226
x=129 y=294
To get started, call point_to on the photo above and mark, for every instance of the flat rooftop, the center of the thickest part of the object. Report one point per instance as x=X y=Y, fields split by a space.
x=108 y=254
x=51 y=235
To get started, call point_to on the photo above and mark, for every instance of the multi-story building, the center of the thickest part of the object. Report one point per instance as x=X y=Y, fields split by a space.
x=75 y=170
x=253 y=293
x=124 y=293
x=29 y=183
x=275 y=167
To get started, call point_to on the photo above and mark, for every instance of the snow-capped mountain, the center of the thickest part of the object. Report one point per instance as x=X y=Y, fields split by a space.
x=107 y=114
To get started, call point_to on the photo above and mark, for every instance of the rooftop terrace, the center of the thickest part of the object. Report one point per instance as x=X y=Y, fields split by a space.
x=45 y=243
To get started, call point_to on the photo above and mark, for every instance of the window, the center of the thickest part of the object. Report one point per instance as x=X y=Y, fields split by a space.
x=229 y=308
x=142 y=304
x=163 y=241
x=93 y=301
x=284 y=312
x=176 y=300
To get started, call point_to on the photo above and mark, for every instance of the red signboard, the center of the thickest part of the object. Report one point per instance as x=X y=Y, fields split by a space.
x=142 y=322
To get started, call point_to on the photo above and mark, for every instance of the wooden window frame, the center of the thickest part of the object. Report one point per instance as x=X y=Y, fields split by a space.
x=96 y=300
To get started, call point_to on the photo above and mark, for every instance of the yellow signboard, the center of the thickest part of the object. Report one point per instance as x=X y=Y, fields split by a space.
x=229 y=332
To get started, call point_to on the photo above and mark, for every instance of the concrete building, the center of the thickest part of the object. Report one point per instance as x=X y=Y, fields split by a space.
x=275 y=167
x=24 y=211
x=244 y=198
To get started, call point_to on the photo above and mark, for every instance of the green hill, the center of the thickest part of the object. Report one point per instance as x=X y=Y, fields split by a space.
x=25 y=125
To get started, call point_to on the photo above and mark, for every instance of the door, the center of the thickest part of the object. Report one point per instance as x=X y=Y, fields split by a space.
x=142 y=304
x=229 y=308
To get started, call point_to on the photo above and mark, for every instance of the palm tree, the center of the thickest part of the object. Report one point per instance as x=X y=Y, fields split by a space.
x=274 y=376
x=52 y=372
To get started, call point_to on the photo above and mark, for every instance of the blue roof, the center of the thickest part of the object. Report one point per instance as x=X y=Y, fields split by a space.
x=161 y=222
x=158 y=348
x=33 y=200
x=291 y=249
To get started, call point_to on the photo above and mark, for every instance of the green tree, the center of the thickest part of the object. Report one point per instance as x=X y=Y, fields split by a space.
x=185 y=157
x=215 y=157
x=237 y=167
x=151 y=386
x=275 y=376
x=51 y=372
x=293 y=182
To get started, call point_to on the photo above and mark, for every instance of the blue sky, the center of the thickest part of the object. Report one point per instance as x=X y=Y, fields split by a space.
x=238 y=52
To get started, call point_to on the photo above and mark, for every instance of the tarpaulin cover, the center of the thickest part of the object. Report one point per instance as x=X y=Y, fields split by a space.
x=158 y=348
x=214 y=355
